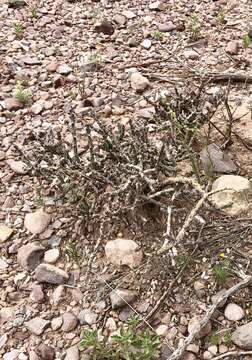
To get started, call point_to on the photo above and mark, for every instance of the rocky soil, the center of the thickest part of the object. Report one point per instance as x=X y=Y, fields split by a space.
x=111 y=58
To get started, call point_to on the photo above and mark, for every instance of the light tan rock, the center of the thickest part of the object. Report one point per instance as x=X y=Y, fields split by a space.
x=123 y=252
x=139 y=82
x=19 y=167
x=37 y=221
x=5 y=233
x=234 y=199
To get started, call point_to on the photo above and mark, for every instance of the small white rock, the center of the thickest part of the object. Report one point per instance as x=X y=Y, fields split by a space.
x=146 y=44
x=51 y=256
x=234 y=312
x=139 y=82
x=19 y=167
x=37 y=221
x=162 y=330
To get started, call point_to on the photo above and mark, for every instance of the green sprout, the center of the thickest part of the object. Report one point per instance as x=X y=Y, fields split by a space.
x=18 y=30
x=246 y=41
x=221 y=20
x=21 y=94
x=73 y=252
x=158 y=36
x=195 y=26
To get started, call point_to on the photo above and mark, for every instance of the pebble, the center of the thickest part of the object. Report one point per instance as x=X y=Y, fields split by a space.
x=37 y=294
x=19 y=167
x=121 y=297
x=51 y=256
x=50 y=274
x=123 y=252
x=166 y=27
x=204 y=331
x=162 y=330
x=157 y=5
x=146 y=44
x=87 y=317
x=70 y=321
x=72 y=353
x=5 y=233
x=37 y=325
x=64 y=69
x=37 y=221
x=11 y=355
x=37 y=108
x=56 y=323
x=213 y=159
x=30 y=256
x=234 y=312
x=129 y=14
x=139 y=82
x=45 y=352
x=13 y=104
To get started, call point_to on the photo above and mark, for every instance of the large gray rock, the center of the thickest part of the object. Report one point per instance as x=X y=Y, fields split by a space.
x=121 y=297
x=213 y=159
x=50 y=274
x=234 y=199
x=70 y=321
x=37 y=221
x=242 y=336
x=30 y=256
x=37 y=325
x=123 y=252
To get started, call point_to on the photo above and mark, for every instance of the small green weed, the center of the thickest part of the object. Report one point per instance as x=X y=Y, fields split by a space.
x=34 y=12
x=128 y=345
x=96 y=13
x=227 y=338
x=195 y=26
x=95 y=57
x=221 y=20
x=221 y=271
x=215 y=339
x=158 y=36
x=246 y=41
x=18 y=30
x=73 y=252
x=21 y=94
x=39 y=199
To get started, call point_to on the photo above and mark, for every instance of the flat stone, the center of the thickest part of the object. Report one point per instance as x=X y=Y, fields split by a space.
x=37 y=221
x=157 y=5
x=242 y=336
x=5 y=233
x=194 y=324
x=120 y=20
x=19 y=167
x=28 y=60
x=30 y=256
x=56 y=323
x=37 y=294
x=213 y=159
x=3 y=340
x=139 y=82
x=72 y=353
x=45 y=352
x=123 y=252
x=234 y=200
x=121 y=297
x=37 y=325
x=12 y=104
x=37 y=108
x=162 y=330
x=191 y=54
x=166 y=27
x=129 y=14
x=70 y=321
x=87 y=317
x=146 y=44
x=51 y=256
x=50 y=274
x=217 y=296
x=11 y=355
x=57 y=295
x=234 y=312
x=3 y=265
x=64 y=69
x=105 y=27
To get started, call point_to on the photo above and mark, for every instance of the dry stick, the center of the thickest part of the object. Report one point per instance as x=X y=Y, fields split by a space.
x=232 y=353
x=196 y=330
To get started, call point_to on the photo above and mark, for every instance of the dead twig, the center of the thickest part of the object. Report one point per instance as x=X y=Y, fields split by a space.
x=195 y=331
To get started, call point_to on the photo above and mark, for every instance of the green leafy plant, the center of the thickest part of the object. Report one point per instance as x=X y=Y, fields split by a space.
x=39 y=197
x=95 y=57
x=73 y=252
x=18 y=30
x=128 y=344
x=221 y=20
x=22 y=94
x=195 y=26
x=246 y=41
x=221 y=271
x=158 y=36
x=96 y=13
